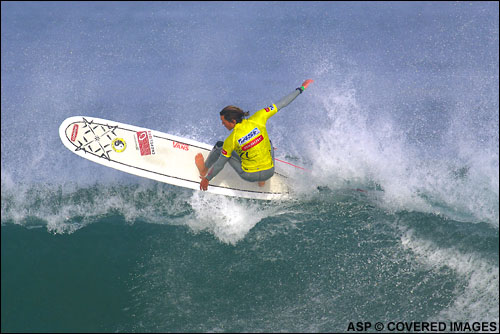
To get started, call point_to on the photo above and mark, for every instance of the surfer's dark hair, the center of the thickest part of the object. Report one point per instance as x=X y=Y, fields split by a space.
x=231 y=113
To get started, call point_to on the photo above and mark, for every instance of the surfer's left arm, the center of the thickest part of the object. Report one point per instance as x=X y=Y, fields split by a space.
x=290 y=97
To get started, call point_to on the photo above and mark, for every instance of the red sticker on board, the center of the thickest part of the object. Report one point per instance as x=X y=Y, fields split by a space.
x=145 y=140
x=74 y=133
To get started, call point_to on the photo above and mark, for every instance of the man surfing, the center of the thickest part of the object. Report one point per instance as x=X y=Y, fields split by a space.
x=247 y=148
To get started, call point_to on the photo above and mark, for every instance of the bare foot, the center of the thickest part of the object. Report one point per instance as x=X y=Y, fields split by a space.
x=200 y=163
x=262 y=183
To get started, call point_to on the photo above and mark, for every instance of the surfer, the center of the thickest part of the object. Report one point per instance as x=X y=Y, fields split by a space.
x=247 y=148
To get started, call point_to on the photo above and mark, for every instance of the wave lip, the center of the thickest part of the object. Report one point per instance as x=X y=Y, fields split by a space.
x=353 y=147
x=479 y=299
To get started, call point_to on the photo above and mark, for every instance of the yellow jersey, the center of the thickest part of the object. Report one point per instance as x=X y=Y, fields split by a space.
x=250 y=140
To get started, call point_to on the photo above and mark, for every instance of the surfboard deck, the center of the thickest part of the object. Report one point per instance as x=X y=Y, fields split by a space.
x=159 y=156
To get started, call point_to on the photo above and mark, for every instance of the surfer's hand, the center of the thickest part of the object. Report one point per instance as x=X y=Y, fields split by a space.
x=203 y=183
x=307 y=82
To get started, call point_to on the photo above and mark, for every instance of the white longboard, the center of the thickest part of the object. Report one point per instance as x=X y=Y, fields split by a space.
x=158 y=156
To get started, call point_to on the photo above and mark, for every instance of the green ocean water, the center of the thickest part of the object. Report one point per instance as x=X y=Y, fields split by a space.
x=311 y=265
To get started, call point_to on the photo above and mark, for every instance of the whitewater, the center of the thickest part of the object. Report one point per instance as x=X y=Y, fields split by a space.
x=394 y=219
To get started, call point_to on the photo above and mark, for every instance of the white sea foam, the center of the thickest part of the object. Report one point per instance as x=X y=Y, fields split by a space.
x=351 y=147
x=479 y=299
x=228 y=218
x=69 y=207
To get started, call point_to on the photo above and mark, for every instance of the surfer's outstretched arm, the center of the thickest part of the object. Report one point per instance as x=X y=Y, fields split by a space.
x=290 y=97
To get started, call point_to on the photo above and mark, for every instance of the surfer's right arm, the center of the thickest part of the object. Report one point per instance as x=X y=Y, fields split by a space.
x=226 y=151
x=217 y=167
x=212 y=172
x=290 y=97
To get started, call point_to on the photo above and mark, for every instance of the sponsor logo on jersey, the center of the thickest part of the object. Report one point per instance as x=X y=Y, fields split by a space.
x=253 y=143
x=146 y=145
x=270 y=108
x=74 y=132
x=224 y=152
x=249 y=136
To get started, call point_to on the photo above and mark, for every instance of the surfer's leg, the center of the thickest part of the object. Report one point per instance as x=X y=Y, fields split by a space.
x=200 y=163
x=235 y=162
x=214 y=154
x=265 y=175
x=260 y=177
x=204 y=165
